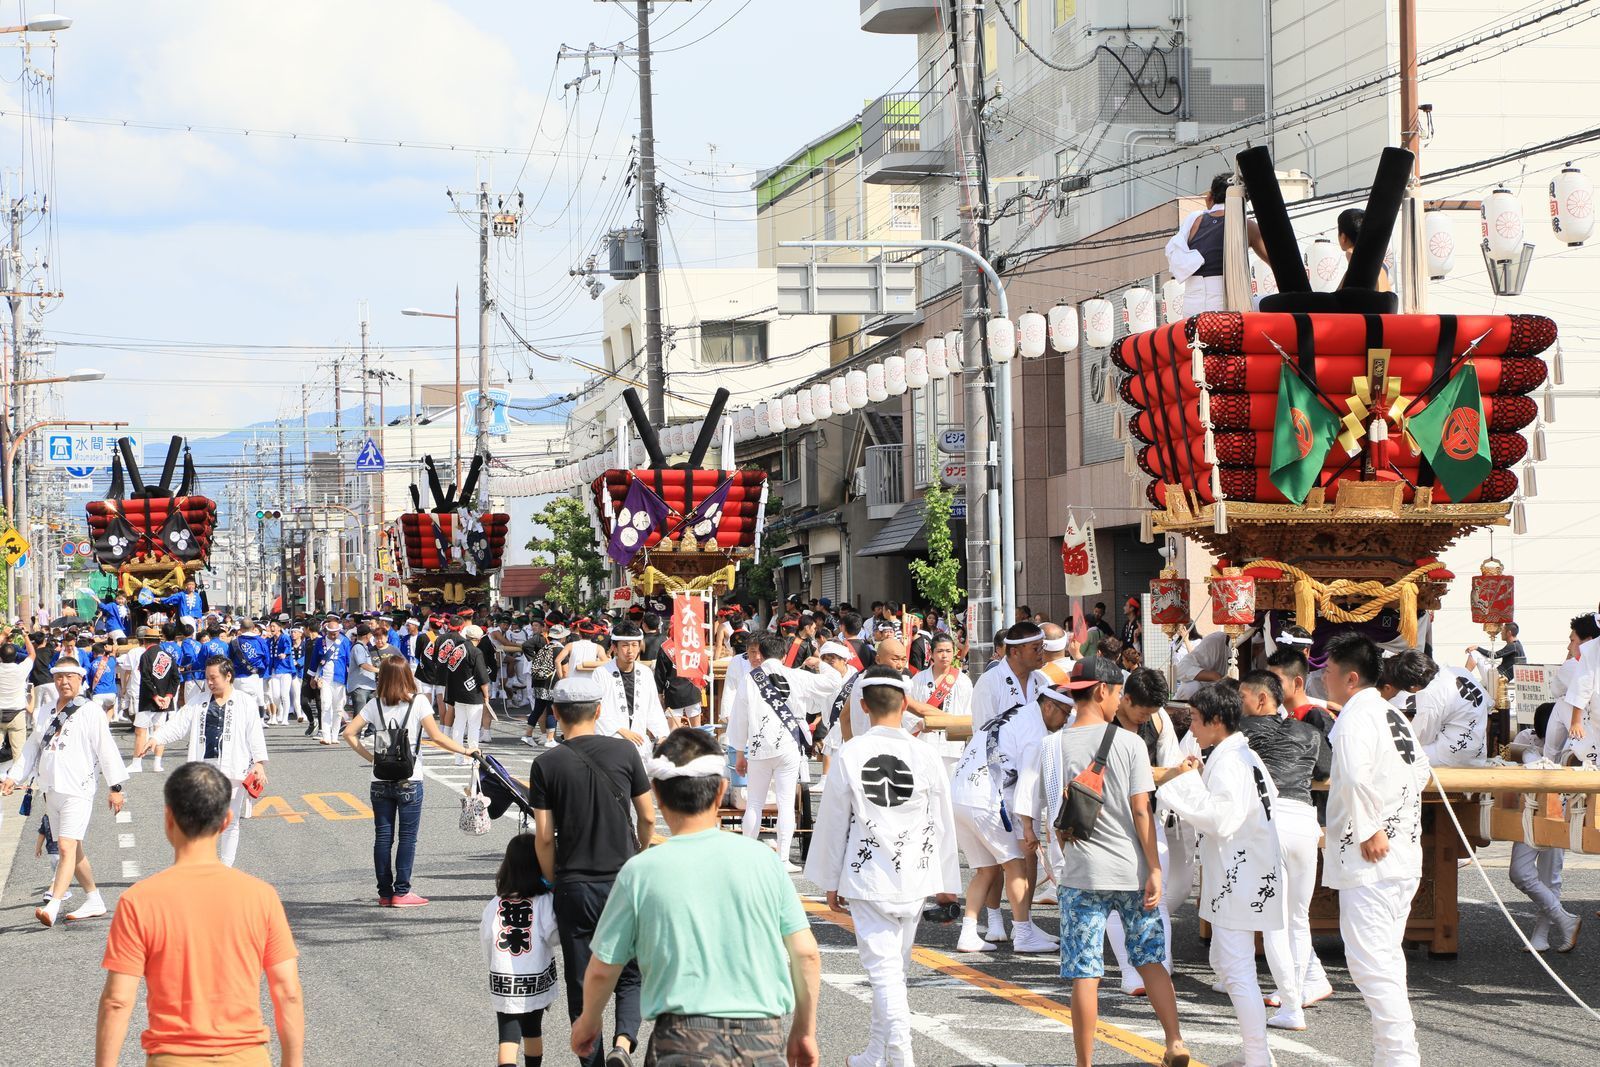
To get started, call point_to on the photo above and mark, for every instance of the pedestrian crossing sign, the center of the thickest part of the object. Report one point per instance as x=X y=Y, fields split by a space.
x=369 y=460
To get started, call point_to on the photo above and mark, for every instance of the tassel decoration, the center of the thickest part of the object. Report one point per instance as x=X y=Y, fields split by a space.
x=1197 y=365
x=1305 y=605
x=1519 y=518
x=1219 y=520
x=1530 y=481
x=1558 y=369
x=1216 y=485
x=1136 y=493
x=1540 y=452
x=1130 y=462
x=1211 y=448
x=1408 y=613
x=1549 y=402
x=1205 y=408
x=1147 y=533
x=1119 y=427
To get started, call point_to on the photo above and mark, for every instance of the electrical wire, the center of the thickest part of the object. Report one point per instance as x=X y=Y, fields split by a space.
x=1093 y=54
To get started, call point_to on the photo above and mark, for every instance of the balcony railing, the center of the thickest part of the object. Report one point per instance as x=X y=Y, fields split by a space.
x=893 y=151
x=885 y=488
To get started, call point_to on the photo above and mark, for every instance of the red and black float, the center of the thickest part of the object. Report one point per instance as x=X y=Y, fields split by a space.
x=154 y=538
x=452 y=550
x=678 y=528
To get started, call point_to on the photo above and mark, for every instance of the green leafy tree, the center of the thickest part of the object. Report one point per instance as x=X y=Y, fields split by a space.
x=575 y=563
x=937 y=575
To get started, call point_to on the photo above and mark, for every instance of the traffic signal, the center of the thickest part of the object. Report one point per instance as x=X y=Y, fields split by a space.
x=268 y=513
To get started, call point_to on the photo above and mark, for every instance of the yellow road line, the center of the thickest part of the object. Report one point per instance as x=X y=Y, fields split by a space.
x=1105 y=1033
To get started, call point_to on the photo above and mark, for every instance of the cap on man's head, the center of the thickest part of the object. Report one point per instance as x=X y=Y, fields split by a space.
x=1092 y=671
x=576 y=691
x=472 y=633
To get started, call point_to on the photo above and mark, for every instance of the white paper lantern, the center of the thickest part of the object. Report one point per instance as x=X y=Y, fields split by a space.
x=877 y=383
x=1572 y=206
x=1099 y=327
x=955 y=351
x=1172 y=300
x=1002 y=337
x=855 y=383
x=1064 y=327
x=917 y=364
x=839 y=395
x=745 y=424
x=821 y=401
x=791 y=412
x=1139 y=305
x=1032 y=334
x=1262 y=281
x=1502 y=225
x=938 y=363
x=774 y=416
x=803 y=407
x=894 y=375
x=1324 y=265
x=1439 y=236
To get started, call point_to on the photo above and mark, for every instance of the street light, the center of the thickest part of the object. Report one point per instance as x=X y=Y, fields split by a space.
x=418 y=313
x=40 y=24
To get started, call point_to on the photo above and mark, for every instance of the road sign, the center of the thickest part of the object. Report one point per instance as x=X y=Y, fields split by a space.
x=369 y=460
x=84 y=548
x=22 y=561
x=14 y=545
x=69 y=548
x=80 y=449
x=79 y=472
x=80 y=485
x=953 y=473
x=958 y=508
x=499 y=411
x=952 y=441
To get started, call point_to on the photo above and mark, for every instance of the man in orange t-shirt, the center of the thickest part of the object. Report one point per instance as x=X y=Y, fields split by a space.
x=201 y=935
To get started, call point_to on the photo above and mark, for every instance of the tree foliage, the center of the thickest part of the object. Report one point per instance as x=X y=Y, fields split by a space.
x=937 y=576
x=576 y=567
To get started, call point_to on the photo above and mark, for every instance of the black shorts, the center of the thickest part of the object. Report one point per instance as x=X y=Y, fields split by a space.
x=515 y=1028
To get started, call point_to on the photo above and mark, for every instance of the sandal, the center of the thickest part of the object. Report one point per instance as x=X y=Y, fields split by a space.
x=1177 y=1057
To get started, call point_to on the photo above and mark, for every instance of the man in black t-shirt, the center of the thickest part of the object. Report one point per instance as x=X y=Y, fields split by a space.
x=464 y=679
x=159 y=678
x=592 y=812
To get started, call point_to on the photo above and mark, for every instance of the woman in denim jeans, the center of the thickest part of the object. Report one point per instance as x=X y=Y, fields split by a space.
x=398 y=802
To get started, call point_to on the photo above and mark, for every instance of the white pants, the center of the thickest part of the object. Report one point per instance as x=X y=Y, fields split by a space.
x=280 y=693
x=252 y=685
x=1537 y=872
x=228 y=843
x=193 y=691
x=1119 y=937
x=1290 y=957
x=885 y=933
x=1372 y=921
x=331 y=701
x=1203 y=294
x=468 y=725
x=44 y=702
x=296 y=685
x=782 y=775
x=1233 y=957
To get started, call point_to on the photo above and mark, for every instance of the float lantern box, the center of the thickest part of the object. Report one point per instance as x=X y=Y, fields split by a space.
x=1233 y=600
x=1493 y=599
x=1169 y=601
x=154 y=537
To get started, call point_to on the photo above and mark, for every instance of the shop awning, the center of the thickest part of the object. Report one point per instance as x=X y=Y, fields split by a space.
x=901 y=536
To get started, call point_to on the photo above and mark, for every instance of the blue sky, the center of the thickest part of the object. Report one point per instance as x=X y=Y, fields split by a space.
x=262 y=248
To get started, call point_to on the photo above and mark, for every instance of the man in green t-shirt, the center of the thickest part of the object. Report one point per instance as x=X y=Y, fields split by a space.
x=717 y=983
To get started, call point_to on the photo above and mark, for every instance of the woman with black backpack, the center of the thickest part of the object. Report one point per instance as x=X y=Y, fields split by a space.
x=399 y=716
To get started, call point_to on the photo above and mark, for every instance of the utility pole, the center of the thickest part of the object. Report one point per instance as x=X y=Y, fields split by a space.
x=983 y=502
x=307 y=559
x=13 y=373
x=283 y=523
x=655 y=370
x=480 y=442
x=365 y=479
x=336 y=568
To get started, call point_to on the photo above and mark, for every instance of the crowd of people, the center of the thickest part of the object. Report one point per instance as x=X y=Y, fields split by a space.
x=1089 y=782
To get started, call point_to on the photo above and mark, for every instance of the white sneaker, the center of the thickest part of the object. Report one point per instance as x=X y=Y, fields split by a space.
x=1567 y=926
x=1540 y=938
x=792 y=868
x=969 y=941
x=92 y=907
x=1027 y=938
x=1284 y=1019
x=47 y=914
x=136 y=767
x=461 y=761
x=551 y=742
x=45 y=896
x=530 y=741
x=1316 y=993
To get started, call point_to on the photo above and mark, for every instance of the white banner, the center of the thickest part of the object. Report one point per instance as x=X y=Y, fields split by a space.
x=1080 y=560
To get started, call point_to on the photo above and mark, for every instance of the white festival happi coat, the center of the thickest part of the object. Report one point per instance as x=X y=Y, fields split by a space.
x=1230 y=803
x=885 y=831
x=647 y=719
x=755 y=726
x=79 y=747
x=1450 y=716
x=997 y=690
x=957 y=701
x=1380 y=773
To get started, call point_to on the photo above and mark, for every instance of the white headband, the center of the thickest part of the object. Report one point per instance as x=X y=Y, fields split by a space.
x=1058 y=645
x=885 y=683
x=1291 y=639
x=834 y=648
x=1027 y=640
x=617 y=639
x=1058 y=696
x=660 y=769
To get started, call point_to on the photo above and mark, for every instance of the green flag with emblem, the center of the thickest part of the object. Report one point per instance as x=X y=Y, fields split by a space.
x=1453 y=435
x=1301 y=436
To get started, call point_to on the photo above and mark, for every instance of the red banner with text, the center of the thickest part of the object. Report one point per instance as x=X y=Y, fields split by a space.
x=689 y=652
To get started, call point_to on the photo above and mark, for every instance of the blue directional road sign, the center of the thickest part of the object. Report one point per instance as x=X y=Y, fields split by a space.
x=369 y=460
x=80 y=472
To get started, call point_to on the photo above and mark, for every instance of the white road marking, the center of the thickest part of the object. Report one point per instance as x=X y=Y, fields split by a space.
x=124 y=840
x=130 y=870
x=931 y=1027
x=124 y=816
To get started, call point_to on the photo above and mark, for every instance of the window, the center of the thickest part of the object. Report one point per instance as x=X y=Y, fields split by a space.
x=1019 y=15
x=935 y=227
x=991 y=55
x=905 y=212
x=1065 y=9
x=733 y=342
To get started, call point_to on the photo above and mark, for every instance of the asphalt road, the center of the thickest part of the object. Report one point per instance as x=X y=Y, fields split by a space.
x=408 y=987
